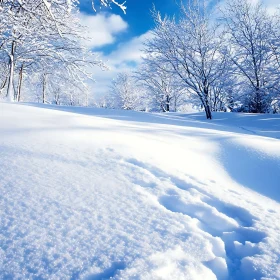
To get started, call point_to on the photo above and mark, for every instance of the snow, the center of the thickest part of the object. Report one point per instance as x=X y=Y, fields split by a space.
x=103 y=194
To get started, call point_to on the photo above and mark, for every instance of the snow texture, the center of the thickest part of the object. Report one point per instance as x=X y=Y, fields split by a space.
x=100 y=194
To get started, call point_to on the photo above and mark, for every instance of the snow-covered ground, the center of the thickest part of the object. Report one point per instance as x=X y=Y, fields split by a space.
x=100 y=194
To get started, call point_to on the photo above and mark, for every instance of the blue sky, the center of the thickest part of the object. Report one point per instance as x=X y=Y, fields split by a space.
x=138 y=17
x=138 y=12
x=118 y=38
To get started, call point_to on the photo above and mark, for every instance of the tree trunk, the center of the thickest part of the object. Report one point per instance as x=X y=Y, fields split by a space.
x=10 y=94
x=56 y=98
x=20 y=83
x=260 y=106
x=162 y=107
x=167 y=103
x=208 y=111
x=205 y=102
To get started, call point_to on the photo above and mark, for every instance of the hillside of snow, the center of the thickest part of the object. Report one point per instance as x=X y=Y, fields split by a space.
x=101 y=194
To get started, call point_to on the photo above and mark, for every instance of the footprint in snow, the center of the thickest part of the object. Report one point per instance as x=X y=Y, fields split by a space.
x=108 y=273
x=240 y=244
x=241 y=215
x=211 y=220
x=233 y=225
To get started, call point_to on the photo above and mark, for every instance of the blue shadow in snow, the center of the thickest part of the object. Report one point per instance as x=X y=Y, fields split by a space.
x=107 y=273
x=251 y=169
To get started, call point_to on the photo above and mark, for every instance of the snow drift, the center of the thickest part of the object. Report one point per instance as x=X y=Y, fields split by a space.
x=99 y=194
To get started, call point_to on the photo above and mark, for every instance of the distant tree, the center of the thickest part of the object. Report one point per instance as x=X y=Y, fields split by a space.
x=222 y=95
x=125 y=94
x=165 y=89
x=4 y=74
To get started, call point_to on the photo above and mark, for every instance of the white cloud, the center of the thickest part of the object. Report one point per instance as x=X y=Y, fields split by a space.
x=271 y=5
x=130 y=51
x=102 y=29
x=126 y=57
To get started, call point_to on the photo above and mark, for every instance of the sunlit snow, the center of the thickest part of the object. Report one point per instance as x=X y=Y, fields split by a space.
x=103 y=194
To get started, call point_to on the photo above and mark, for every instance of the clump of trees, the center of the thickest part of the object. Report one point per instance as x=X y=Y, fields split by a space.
x=40 y=50
x=124 y=93
x=221 y=60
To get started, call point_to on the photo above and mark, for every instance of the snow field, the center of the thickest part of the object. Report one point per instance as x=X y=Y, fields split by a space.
x=136 y=196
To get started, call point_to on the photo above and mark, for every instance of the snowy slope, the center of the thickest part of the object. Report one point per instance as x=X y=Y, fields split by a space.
x=93 y=194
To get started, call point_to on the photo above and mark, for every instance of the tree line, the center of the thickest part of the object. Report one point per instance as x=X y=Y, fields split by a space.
x=41 y=49
x=217 y=58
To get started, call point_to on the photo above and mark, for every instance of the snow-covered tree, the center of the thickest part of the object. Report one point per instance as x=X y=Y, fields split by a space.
x=164 y=88
x=27 y=21
x=4 y=73
x=41 y=38
x=252 y=51
x=107 y=3
x=191 y=46
x=275 y=48
x=125 y=94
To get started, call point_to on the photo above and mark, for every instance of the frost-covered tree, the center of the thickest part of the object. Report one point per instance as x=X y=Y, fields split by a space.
x=4 y=73
x=107 y=3
x=37 y=34
x=275 y=68
x=125 y=94
x=27 y=21
x=164 y=88
x=54 y=87
x=222 y=95
x=251 y=49
x=191 y=46
x=40 y=36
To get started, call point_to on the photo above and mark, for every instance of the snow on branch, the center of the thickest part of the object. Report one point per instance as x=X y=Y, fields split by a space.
x=107 y=3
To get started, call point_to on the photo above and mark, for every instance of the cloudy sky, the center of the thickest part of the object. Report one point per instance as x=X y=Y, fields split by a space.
x=118 y=37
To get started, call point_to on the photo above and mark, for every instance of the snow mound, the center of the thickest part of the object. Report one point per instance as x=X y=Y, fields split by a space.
x=100 y=194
